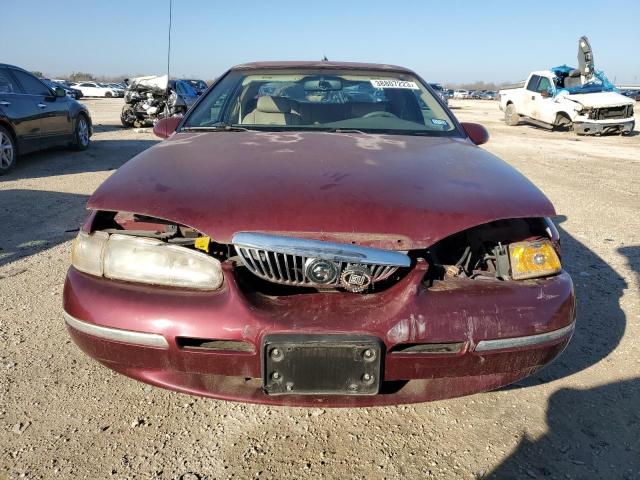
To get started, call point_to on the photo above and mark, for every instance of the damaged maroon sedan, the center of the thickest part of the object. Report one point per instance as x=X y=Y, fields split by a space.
x=320 y=234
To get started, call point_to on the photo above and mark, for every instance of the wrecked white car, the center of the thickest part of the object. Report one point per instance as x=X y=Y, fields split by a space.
x=582 y=100
x=147 y=99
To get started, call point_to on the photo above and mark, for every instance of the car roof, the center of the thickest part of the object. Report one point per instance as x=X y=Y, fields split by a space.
x=320 y=65
x=14 y=66
x=542 y=72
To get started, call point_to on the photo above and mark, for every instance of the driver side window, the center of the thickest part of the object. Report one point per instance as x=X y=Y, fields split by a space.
x=544 y=85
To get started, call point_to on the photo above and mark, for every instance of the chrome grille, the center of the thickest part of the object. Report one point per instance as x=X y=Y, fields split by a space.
x=284 y=260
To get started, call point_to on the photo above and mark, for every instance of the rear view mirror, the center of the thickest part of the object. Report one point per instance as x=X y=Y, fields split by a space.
x=166 y=126
x=59 y=91
x=477 y=133
x=323 y=84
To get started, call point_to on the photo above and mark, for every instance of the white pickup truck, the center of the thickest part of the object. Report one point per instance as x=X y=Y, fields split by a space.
x=558 y=99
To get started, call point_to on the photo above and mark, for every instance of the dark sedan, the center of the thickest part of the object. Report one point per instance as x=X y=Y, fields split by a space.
x=34 y=116
x=295 y=244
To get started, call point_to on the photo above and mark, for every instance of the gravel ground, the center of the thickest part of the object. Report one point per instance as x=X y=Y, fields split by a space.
x=63 y=415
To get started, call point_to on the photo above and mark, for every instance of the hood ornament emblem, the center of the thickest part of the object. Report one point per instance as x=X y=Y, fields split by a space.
x=321 y=272
x=355 y=278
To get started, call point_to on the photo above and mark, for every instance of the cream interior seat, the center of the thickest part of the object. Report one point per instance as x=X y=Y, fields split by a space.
x=272 y=111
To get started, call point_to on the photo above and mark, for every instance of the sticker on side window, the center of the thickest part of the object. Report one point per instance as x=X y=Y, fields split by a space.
x=437 y=121
x=389 y=83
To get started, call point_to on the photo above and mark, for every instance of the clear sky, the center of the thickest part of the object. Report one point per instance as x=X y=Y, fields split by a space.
x=445 y=41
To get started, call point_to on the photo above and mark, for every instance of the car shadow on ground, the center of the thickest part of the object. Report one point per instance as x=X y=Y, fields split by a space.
x=107 y=128
x=36 y=220
x=100 y=156
x=600 y=322
x=592 y=433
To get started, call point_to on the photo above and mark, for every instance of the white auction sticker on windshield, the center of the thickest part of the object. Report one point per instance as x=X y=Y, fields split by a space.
x=390 y=83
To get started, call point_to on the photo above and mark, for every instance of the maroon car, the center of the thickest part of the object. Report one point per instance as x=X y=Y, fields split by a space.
x=320 y=234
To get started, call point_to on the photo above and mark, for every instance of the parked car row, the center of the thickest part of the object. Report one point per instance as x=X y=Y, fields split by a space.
x=35 y=115
x=442 y=93
x=96 y=89
x=475 y=94
x=71 y=92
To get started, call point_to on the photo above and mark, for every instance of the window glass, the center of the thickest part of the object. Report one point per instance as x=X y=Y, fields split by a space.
x=31 y=84
x=7 y=83
x=533 y=83
x=209 y=111
x=308 y=99
x=544 y=85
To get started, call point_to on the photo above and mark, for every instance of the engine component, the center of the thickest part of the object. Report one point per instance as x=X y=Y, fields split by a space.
x=148 y=99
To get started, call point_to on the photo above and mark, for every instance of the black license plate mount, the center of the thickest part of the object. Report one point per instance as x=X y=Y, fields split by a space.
x=329 y=364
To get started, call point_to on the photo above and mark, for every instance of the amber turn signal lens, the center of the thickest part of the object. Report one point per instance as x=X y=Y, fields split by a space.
x=533 y=259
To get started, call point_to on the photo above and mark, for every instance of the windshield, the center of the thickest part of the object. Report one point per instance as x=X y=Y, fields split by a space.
x=372 y=102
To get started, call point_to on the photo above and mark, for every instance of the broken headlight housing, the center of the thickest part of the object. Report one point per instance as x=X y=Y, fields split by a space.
x=144 y=260
x=530 y=259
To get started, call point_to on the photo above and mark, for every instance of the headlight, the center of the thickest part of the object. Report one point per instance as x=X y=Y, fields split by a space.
x=86 y=254
x=145 y=260
x=533 y=259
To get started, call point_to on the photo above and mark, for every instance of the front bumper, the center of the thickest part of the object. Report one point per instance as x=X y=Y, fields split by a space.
x=505 y=331
x=599 y=127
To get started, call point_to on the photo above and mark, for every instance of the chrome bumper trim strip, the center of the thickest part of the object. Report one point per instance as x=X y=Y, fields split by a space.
x=115 y=334
x=485 y=345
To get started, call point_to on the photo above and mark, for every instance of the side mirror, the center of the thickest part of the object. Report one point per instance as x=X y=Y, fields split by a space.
x=166 y=126
x=545 y=93
x=477 y=133
x=60 y=92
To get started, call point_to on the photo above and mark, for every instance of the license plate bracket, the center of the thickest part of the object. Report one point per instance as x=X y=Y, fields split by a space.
x=331 y=364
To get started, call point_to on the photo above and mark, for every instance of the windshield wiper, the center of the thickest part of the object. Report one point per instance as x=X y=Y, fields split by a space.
x=345 y=130
x=218 y=127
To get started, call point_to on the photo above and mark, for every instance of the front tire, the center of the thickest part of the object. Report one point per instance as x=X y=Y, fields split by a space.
x=563 y=123
x=108 y=95
x=81 y=137
x=127 y=117
x=8 y=151
x=511 y=118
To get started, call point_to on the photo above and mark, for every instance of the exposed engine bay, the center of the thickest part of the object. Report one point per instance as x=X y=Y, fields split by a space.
x=265 y=265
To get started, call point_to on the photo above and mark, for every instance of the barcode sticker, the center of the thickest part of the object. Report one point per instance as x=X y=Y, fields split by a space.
x=390 y=83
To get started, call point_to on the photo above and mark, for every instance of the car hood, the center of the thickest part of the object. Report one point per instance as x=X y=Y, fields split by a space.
x=600 y=99
x=395 y=192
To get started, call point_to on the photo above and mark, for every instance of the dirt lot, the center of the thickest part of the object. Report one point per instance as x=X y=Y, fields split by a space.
x=63 y=415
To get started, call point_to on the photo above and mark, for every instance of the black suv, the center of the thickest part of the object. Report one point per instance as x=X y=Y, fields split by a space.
x=34 y=116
